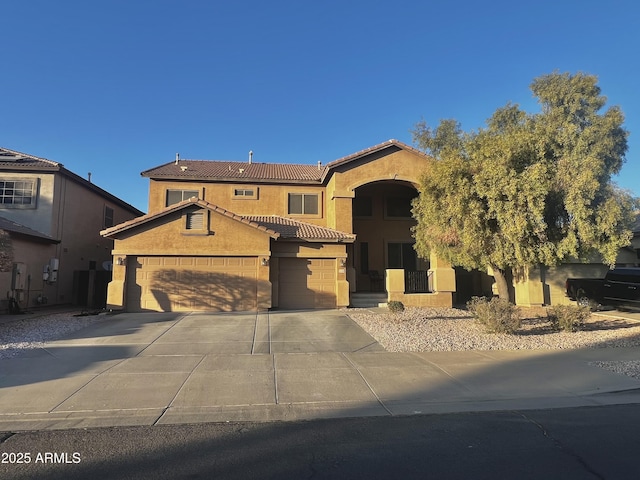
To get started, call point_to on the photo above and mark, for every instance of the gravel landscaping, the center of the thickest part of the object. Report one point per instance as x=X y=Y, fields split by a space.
x=450 y=329
x=32 y=332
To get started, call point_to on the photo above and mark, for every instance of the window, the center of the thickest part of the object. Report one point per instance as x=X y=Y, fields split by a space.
x=303 y=203
x=362 y=207
x=108 y=217
x=398 y=207
x=402 y=255
x=246 y=193
x=19 y=193
x=364 y=257
x=177 y=196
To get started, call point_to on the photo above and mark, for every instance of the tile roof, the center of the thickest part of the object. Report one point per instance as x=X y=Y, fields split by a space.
x=376 y=148
x=273 y=225
x=179 y=206
x=289 y=228
x=13 y=159
x=237 y=171
x=260 y=172
x=14 y=227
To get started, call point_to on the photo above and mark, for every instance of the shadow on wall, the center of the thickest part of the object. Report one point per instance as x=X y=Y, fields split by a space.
x=186 y=290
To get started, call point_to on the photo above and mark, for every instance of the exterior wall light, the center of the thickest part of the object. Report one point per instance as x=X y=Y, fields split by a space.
x=343 y=262
x=265 y=262
x=120 y=261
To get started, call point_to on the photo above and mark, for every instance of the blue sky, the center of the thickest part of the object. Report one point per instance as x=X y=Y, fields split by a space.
x=117 y=87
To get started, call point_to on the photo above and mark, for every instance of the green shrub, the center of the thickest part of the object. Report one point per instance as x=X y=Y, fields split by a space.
x=496 y=315
x=395 y=307
x=568 y=318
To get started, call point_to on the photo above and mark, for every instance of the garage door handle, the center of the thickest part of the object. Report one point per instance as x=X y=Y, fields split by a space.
x=632 y=287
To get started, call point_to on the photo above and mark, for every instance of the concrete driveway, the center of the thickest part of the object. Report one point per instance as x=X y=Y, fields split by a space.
x=169 y=368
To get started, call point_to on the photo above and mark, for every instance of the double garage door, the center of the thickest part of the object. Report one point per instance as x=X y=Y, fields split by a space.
x=192 y=283
x=307 y=283
x=225 y=283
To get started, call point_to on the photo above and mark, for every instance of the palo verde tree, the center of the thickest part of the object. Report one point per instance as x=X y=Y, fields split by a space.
x=528 y=189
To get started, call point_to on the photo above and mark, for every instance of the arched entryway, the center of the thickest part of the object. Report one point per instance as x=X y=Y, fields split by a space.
x=382 y=223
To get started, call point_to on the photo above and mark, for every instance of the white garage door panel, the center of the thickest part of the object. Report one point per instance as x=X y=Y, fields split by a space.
x=193 y=283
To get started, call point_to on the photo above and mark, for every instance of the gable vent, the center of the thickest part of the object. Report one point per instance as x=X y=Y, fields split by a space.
x=195 y=221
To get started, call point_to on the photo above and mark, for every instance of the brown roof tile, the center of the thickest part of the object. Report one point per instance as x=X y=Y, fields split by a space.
x=260 y=172
x=289 y=228
x=273 y=225
x=179 y=206
x=236 y=171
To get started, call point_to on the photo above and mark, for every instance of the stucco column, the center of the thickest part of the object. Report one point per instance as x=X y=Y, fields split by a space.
x=394 y=279
x=444 y=277
x=340 y=217
x=342 y=297
x=529 y=289
x=116 y=287
x=264 y=283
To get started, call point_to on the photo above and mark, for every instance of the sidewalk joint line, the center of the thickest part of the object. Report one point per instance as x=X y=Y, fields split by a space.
x=178 y=320
x=275 y=378
x=367 y=383
x=255 y=334
x=164 y=410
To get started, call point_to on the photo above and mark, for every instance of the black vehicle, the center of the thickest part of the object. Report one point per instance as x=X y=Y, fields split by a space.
x=619 y=288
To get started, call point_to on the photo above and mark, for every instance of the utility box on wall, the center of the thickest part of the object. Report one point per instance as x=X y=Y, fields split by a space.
x=19 y=276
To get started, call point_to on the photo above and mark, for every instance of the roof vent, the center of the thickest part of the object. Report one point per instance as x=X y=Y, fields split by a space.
x=250 y=156
x=319 y=165
x=177 y=158
x=183 y=168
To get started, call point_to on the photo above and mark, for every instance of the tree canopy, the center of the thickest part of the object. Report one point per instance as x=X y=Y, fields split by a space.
x=529 y=188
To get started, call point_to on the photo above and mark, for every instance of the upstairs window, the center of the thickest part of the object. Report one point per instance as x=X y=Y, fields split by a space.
x=363 y=207
x=398 y=207
x=18 y=193
x=244 y=193
x=177 y=196
x=108 y=217
x=303 y=204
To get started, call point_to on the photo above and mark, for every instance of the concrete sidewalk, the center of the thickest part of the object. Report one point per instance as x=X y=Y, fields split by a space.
x=166 y=368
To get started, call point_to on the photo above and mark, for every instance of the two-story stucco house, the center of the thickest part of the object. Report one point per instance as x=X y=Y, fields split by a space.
x=224 y=235
x=50 y=223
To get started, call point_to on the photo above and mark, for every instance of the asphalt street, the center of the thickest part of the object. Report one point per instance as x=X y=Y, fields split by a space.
x=569 y=444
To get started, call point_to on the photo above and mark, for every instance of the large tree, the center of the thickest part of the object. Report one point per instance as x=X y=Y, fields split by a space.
x=529 y=188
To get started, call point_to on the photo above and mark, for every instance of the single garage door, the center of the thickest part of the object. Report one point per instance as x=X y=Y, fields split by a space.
x=192 y=283
x=307 y=283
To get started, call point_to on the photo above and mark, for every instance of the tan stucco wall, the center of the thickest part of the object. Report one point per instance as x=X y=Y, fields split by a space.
x=400 y=165
x=270 y=199
x=395 y=292
x=167 y=236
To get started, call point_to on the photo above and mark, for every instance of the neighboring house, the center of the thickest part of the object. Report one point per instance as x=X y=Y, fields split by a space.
x=225 y=235
x=50 y=222
x=546 y=285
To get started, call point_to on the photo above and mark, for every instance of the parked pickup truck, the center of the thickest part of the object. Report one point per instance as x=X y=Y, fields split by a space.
x=619 y=288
